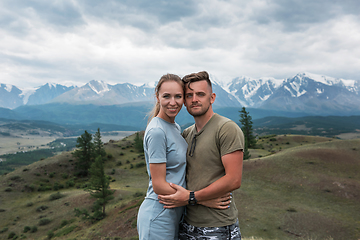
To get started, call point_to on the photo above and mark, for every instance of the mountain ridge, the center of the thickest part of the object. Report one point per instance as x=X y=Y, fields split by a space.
x=305 y=92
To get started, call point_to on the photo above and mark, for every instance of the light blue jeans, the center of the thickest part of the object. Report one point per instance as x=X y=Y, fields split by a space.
x=154 y=222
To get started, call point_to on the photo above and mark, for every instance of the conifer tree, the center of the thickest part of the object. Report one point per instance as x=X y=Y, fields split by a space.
x=250 y=140
x=139 y=146
x=99 y=185
x=84 y=154
x=98 y=145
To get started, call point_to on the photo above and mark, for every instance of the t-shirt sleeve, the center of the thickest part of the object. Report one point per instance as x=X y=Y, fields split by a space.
x=231 y=138
x=156 y=145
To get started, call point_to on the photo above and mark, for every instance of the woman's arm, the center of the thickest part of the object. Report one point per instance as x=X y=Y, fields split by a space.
x=158 y=176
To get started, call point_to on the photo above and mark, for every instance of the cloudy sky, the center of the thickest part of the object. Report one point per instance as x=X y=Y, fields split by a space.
x=137 y=41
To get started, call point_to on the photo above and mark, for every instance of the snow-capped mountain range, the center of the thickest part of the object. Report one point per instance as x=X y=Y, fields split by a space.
x=305 y=92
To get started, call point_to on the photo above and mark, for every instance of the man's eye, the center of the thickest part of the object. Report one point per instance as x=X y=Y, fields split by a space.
x=188 y=96
x=201 y=94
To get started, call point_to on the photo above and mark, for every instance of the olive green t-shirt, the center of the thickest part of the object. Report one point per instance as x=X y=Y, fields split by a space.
x=217 y=138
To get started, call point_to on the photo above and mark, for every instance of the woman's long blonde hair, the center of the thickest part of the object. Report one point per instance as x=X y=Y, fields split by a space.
x=165 y=78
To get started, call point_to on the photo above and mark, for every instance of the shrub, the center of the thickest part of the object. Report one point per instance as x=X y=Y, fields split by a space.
x=112 y=172
x=119 y=163
x=127 y=161
x=109 y=156
x=26 y=229
x=11 y=235
x=44 y=221
x=51 y=175
x=64 y=223
x=64 y=175
x=29 y=204
x=41 y=208
x=37 y=174
x=33 y=229
x=3 y=230
x=70 y=183
x=9 y=189
x=131 y=166
x=56 y=196
x=140 y=164
x=15 y=178
x=50 y=234
x=25 y=169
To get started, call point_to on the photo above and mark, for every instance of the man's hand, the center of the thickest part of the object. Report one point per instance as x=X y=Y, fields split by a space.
x=178 y=199
x=218 y=203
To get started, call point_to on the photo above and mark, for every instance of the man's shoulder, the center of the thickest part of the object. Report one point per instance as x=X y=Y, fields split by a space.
x=221 y=120
x=188 y=130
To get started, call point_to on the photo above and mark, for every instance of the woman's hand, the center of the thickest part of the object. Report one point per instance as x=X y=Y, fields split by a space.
x=222 y=202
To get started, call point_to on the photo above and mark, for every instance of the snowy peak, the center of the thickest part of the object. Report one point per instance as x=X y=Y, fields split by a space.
x=99 y=87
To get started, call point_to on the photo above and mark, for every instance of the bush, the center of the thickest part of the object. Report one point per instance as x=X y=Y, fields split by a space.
x=29 y=204
x=64 y=223
x=44 y=221
x=26 y=229
x=51 y=175
x=56 y=196
x=64 y=175
x=15 y=178
x=3 y=230
x=9 y=189
x=140 y=164
x=119 y=163
x=70 y=183
x=11 y=235
x=50 y=234
x=33 y=229
x=41 y=208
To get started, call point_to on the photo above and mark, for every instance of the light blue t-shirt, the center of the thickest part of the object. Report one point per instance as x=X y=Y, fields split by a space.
x=163 y=143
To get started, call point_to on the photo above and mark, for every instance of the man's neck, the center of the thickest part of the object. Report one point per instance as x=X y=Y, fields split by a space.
x=201 y=121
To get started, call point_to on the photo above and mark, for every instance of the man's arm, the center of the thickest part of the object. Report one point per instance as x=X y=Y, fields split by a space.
x=233 y=164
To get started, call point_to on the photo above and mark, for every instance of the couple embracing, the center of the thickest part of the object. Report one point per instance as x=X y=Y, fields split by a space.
x=191 y=174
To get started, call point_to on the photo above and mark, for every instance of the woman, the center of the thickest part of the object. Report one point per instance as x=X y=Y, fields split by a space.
x=165 y=155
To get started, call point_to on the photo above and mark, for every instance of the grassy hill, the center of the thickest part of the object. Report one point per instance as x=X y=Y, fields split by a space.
x=302 y=187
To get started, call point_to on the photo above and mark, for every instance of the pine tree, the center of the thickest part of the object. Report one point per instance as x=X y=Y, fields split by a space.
x=84 y=154
x=250 y=140
x=98 y=145
x=139 y=146
x=99 y=185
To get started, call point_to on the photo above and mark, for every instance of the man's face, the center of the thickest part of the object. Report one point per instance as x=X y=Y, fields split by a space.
x=198 y=99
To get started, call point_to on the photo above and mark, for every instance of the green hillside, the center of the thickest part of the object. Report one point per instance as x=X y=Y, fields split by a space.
x=303 y=187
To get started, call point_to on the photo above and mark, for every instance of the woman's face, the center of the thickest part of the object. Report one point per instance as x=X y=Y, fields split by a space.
x=171 y=99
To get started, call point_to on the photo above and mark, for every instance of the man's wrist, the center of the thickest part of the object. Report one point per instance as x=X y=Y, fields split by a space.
x=192 y=200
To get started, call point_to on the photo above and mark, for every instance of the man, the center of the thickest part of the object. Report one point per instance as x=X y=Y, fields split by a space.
x=214 y=166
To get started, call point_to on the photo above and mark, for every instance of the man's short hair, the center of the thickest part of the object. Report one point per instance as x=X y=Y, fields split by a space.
x=195 y=77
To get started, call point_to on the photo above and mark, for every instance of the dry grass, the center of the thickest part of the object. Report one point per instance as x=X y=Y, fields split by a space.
x=307 y=190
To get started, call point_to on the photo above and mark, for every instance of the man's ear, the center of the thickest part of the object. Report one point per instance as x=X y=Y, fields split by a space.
x=212 y=98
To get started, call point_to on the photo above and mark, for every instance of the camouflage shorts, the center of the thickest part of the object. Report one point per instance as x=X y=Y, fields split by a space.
x=189 y=232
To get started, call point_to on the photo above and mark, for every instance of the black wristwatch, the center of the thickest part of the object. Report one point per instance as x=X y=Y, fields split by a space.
x=192 y=199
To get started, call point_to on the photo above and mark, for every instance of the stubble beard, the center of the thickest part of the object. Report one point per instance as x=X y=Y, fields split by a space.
x=198 y=114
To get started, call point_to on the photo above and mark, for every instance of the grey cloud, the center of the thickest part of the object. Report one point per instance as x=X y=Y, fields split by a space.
x=145 y=15
x=299 y=15
x=59 y=14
